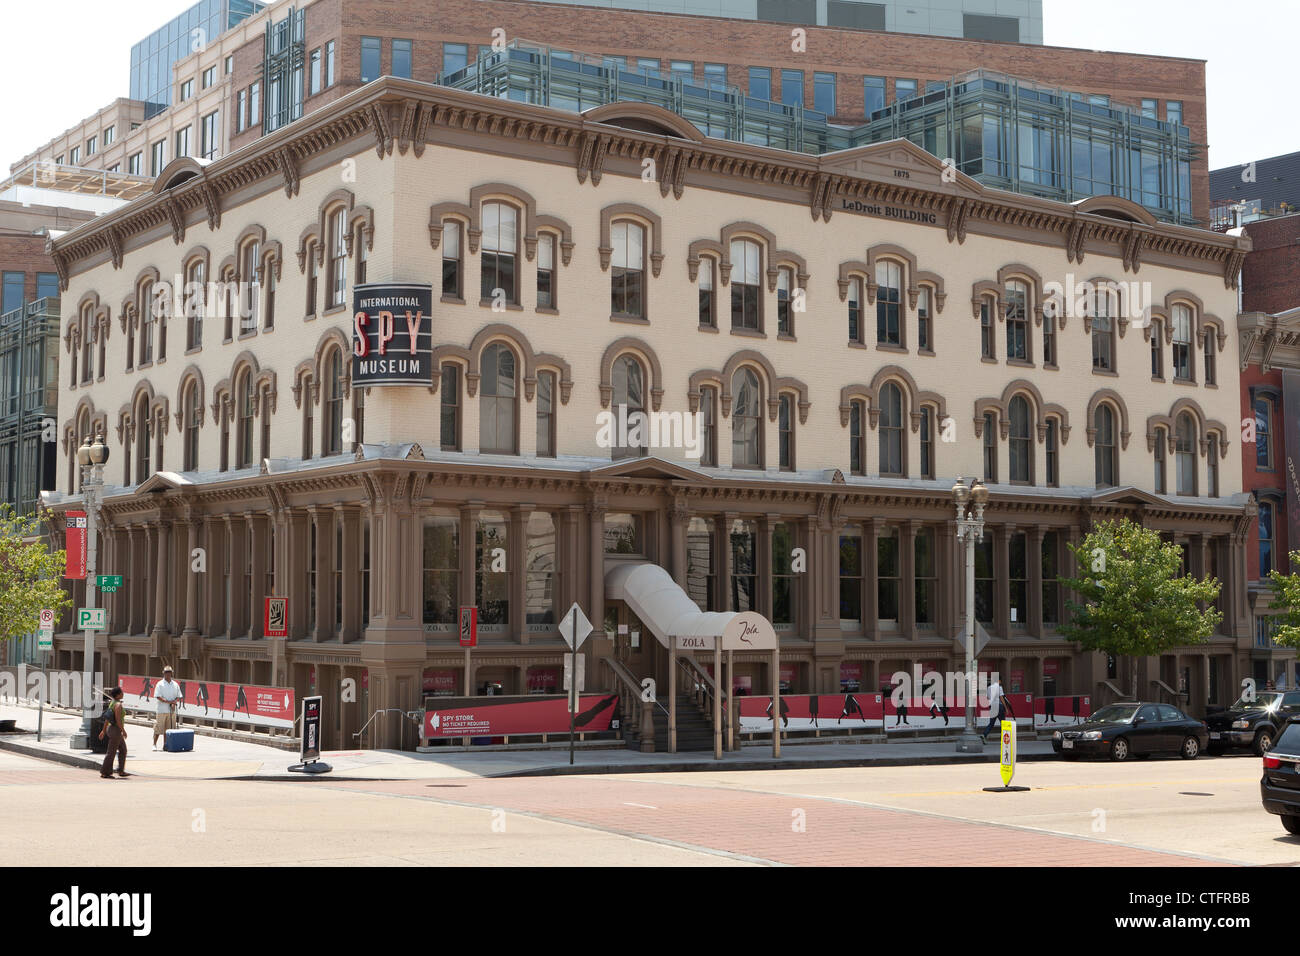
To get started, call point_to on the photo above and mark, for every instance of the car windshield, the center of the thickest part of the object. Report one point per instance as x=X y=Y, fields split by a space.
x=1257 y=701
x=1114 y=714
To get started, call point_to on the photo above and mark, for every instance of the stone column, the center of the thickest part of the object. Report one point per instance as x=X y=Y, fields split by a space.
x=322 y=523
x=724 y=560
x=1034 y=560
x=159 y=629
x=256 y=531
x=1002 y=579
x=596 y=508
x=295 y=571
x=192 y=580
x=947 y=614
x=351 y=573
x=214 y=578
x=237 y=536
x=135 y=580
x=570 y=562
x=468 y=529
x=907 y=578
x=680 y=519
x=763 y=562
x=871 y=577
x=516 y=570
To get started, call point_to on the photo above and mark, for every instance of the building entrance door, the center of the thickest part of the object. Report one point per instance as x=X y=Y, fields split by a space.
x=634 y=646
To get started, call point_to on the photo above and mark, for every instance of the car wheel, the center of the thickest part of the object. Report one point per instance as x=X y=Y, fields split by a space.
x=1119 y=749
x=1191 y=748
x=1263 y=742
x=1292 y=823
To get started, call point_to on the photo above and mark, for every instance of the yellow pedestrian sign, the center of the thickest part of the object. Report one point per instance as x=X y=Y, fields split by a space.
x=1008 y=751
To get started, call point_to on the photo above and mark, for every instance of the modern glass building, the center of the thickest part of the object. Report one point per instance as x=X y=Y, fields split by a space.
x=29 y=355
x=188 y=32
x=1005 y=132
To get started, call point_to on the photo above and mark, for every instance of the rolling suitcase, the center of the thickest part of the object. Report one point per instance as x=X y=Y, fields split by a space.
x=178 y=741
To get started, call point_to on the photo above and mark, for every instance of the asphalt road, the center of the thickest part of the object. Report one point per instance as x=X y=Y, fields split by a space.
x=1156 y=812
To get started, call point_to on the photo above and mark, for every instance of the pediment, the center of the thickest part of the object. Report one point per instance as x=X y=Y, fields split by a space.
x=904 y=164
x=1127 y=496
x=647 y=468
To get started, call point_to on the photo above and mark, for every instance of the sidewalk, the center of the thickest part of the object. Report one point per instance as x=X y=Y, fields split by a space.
x=214 y=758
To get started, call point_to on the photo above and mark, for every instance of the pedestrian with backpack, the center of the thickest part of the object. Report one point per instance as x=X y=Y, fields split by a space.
x=115 y=729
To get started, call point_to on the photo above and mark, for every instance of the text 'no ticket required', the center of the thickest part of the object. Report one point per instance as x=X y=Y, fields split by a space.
x=392 y=334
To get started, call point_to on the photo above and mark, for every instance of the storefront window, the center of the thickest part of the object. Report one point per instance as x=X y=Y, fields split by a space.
x=540 y=567
x=700 y=571
x=783 y=577
x=623 y=533
x=850 y=582
x=491 y=580
x=441 y=573
x=744 y=571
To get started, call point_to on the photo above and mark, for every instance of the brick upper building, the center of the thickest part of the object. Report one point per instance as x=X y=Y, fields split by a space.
x=1269 y=325
x=287 y=61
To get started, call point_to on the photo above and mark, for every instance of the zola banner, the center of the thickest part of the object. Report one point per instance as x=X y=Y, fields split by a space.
x=392 y=334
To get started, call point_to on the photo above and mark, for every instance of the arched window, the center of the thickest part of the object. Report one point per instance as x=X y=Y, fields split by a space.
x=986 y=329
x=148 y=320
x=784 y=289
x=857 y=443
x=629 y=406
x=708 y=300
x=143 y=439
x=1212 y=467
x=87 y=344
x=1161 y=475
x=1265 y=518
x=627 y=274
x=498 y=402
x=1185 y=453
x=244 y=435
x=500 y=251
x=1052 y=453
x=250 y=270
x=1103 y=332
x=81 y=433
x=891 y=430
x=1017 y=317
x=889 y=326
x=927 y=441
x=855 y=310
x=191 y=418
x=194 y=289
x=990 y=448
x=1157 y=351
x=785 y=432
x=336 y=275
x=1103 y=422
x=1182 y=319
x=746 y=420
x=1020 y=453
x=1211 y=373
x=546 y=415
x=332 y=437
x=746 y=292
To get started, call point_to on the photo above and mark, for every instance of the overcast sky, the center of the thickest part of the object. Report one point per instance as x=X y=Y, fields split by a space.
x=61 y=60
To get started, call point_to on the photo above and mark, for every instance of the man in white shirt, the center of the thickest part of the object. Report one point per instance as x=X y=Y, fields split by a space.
x=997 y=708
x=168 y=695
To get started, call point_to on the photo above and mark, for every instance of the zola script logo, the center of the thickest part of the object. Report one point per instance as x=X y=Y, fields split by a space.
x=749 y=629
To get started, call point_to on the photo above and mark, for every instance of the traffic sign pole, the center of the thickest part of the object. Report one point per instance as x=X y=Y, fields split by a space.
x=573 y=680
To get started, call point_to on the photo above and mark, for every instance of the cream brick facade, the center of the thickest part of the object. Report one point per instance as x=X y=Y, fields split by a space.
x=396 y=150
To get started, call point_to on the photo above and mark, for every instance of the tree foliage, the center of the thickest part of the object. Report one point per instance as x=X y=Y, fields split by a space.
x=1136 y=602
x=30 y=575
x=1286 y=592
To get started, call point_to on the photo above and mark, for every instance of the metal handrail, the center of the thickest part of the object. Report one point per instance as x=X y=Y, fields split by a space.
x=411 y=715
x=630 y=682
x=705 y=687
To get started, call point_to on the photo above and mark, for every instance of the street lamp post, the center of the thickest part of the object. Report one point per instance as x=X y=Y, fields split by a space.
x=91 y=458
x=970 y=527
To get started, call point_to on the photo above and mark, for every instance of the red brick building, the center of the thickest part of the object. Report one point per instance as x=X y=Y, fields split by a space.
x=1270 y=395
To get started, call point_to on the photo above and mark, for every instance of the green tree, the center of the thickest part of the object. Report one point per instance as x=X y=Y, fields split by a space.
x=30 y=575
x=1286 y=591
x=1136 y=602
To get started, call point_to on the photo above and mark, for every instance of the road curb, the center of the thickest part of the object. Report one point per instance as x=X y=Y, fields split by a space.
x=69 y=758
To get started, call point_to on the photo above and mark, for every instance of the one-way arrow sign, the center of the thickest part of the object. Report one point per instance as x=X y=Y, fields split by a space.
x=574 y=627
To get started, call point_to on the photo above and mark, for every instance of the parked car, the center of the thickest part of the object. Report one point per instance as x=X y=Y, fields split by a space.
x=1253 y=721
x=1280 y=786
x=1121 y=731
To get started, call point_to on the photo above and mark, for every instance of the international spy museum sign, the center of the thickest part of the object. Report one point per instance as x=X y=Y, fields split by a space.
x=392 y=334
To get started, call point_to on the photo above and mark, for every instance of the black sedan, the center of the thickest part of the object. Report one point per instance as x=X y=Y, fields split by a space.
x=1280 y=786
x=1121 y=731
